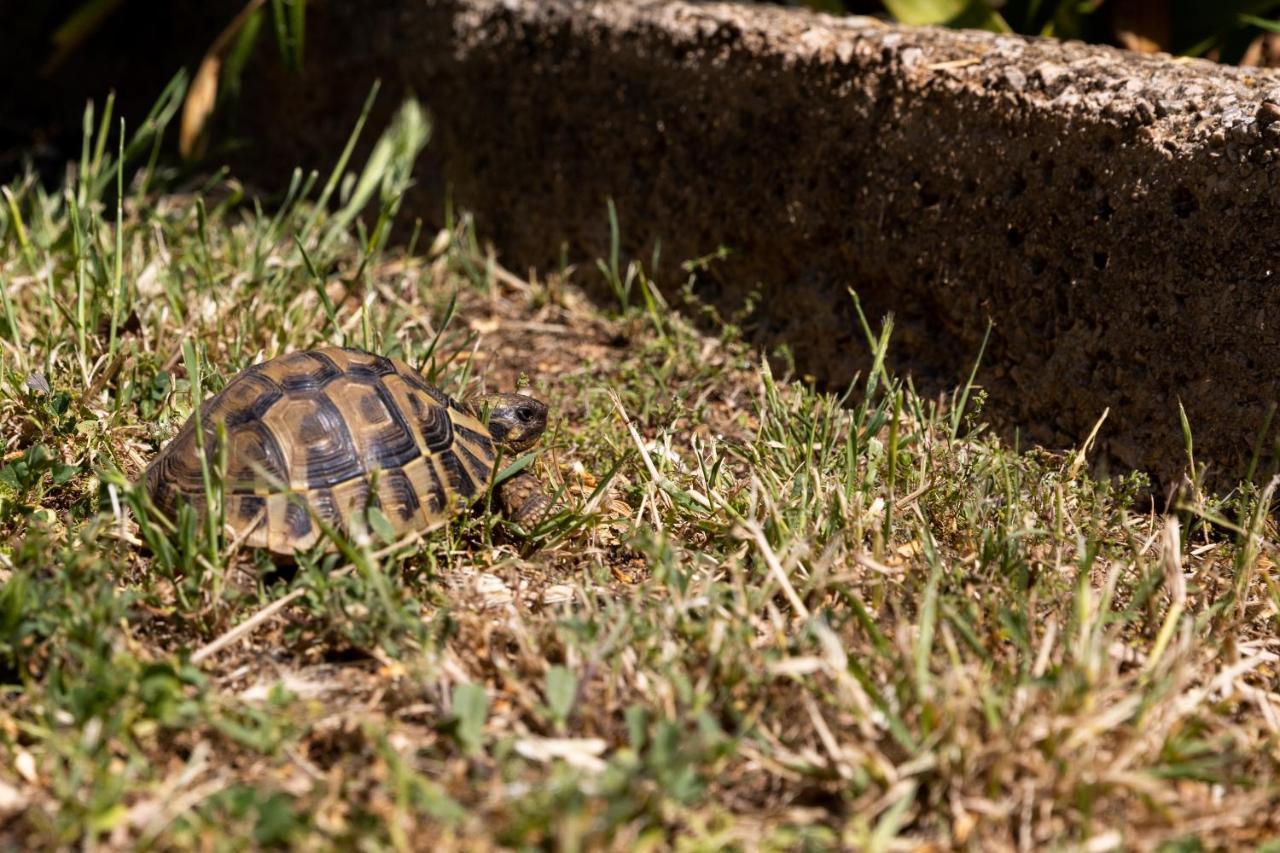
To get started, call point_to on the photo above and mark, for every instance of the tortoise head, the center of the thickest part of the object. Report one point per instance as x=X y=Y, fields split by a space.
x=515 y=421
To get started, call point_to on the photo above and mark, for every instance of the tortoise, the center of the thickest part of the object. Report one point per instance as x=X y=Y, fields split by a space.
x=325 y=433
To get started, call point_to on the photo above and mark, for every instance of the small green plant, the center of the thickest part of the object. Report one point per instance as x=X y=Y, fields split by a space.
x=470 y=705
x=1187 y=27
x=26 y=481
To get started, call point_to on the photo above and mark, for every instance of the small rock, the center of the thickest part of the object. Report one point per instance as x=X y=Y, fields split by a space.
x=1049 y=74
x=1268 y=113
x=492 y=589
x=1142 y=113
x=582 y=753
x=557 y=594
x=25 y=763
x=1015 y=79
x=11 y=799
x=911 y=57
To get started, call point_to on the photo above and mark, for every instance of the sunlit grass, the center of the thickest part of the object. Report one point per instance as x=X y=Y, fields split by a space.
x=763 y=616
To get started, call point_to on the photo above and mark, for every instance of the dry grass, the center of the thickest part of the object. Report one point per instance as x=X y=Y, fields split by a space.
x=764 y=617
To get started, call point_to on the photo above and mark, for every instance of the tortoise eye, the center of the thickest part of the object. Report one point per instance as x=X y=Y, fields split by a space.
x=525 y=414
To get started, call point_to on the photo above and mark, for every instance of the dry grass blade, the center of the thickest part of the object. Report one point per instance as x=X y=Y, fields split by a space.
x=751 y=531
x=202 y=96
x=246 y=627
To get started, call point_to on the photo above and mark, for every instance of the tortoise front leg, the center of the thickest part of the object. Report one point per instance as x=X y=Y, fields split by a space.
x=522 y=499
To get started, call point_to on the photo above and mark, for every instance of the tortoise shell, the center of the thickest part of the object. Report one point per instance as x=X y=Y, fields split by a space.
x=328 y=432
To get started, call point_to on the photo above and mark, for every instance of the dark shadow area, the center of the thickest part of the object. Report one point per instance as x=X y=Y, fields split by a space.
x=53 y=62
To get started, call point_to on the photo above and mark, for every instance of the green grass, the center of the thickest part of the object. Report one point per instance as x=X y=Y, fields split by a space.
x=762 y=616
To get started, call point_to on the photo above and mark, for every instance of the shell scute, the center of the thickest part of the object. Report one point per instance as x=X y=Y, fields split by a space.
x=383 y=437
x=249 y=509
x=435 y=427
x=479 y=442
x=304 y=371
x=427 y=486
x=400 y=496
x=459 y=480
x=256 y=462
x=409 y=375
x=298 y=521
x=361 y=363
x=243 y=401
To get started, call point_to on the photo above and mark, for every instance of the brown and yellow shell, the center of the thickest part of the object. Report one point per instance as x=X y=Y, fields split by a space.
x=328 y=433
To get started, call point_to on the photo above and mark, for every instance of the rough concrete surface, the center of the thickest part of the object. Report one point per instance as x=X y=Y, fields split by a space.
x=1113 y=216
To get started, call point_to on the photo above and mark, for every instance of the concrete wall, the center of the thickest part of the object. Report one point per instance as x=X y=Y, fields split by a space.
x=1114 y=216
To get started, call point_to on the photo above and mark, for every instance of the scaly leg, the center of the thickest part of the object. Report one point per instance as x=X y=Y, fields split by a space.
x=522 y=499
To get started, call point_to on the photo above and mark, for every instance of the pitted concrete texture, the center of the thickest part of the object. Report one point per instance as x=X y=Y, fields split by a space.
x=1113 y=216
